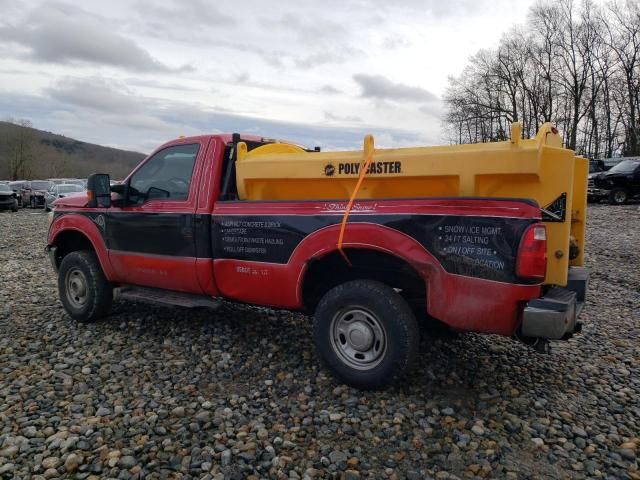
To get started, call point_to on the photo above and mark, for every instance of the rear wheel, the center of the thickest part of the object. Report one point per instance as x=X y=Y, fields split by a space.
x=618 y=196
x=366 y=333
x=84 y=291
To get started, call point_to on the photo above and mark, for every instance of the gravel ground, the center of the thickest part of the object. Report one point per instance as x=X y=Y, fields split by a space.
x=236 y=393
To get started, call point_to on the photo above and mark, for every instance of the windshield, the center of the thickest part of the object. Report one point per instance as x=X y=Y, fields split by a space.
x=16 y=185
x=40 y=185
x=68 y=188
x=594 y=167
x=4 y=188
x=626 y=166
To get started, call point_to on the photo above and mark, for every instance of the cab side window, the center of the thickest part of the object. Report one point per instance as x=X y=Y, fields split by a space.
x=166 y=175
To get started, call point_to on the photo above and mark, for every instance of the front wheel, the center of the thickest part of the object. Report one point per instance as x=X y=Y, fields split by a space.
x=366 y=333
x=618 y=196
x=84 y=291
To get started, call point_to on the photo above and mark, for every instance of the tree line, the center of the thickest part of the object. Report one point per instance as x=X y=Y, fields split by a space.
x=29 y=153
x=577 y=65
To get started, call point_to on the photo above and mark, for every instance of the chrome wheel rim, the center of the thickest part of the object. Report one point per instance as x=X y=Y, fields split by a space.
x=358 y=338
x=76 y=288
x=620 y=197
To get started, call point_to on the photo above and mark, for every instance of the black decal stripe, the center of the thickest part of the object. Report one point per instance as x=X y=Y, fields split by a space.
x=170 y=234
x=483 y=247
x=476 y=246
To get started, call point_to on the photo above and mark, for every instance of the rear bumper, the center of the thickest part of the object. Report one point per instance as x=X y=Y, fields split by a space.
x=554 y=316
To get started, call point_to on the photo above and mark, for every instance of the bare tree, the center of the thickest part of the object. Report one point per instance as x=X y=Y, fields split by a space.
x=624 y=40
x=575 y=64
x=18 y=145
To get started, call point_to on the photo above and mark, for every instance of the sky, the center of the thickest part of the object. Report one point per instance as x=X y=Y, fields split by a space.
x=133 y=74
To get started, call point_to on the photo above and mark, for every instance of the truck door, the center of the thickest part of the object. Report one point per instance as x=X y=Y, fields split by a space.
x=151 y=236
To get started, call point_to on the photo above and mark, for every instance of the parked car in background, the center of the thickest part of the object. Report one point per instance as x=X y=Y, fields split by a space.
x=17 y=187
x=8 y=198
x=61 y=191
x=33 y=193
x=67 y=181
x=619 y=184
x=77 y=181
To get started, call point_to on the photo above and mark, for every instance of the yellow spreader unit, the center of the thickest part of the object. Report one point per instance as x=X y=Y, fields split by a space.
x=539 y=169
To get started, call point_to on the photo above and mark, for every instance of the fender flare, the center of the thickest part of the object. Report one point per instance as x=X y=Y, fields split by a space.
x=87 y=228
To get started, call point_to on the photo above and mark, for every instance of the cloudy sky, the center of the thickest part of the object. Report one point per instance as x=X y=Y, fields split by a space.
x=135 y=73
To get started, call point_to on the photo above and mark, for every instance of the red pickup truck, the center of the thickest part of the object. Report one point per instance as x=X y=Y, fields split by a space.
x=175 y=232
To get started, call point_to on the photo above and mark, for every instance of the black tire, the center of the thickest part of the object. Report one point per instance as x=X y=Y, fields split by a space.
x=618 y=196
x=392 y=333
x=84 y=291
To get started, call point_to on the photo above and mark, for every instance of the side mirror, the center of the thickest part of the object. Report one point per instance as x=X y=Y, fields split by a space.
x=99 y=190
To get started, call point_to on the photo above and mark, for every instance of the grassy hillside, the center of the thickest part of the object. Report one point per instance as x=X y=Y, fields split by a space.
x=49 y=155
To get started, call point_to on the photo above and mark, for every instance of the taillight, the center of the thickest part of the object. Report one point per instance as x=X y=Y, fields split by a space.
x=532 y=253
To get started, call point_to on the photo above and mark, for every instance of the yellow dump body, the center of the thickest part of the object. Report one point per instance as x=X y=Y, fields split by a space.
x=539 y=169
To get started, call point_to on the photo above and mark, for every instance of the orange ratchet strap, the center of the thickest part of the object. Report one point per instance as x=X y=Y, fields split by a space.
x=343 y=225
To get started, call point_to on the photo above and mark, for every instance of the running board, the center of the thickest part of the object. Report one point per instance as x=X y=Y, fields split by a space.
x=164 y=297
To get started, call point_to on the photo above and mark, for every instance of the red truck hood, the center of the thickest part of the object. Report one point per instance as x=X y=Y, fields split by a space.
x=73 y=199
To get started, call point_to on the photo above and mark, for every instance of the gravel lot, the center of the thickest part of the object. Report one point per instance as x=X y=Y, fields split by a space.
x=236 y=393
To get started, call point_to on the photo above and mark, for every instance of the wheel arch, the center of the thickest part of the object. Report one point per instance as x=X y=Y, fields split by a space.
x=376 y=253
x=71 y=233
x=365 y=263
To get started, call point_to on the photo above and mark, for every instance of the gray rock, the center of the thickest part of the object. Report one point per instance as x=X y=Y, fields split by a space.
x=578 y=431
x=627 y=454
x=103 y=412
x=9 y=452
x=178 y=412
x=337 y=457
x=72 y=462
x=537 y=442
x=127 y=462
